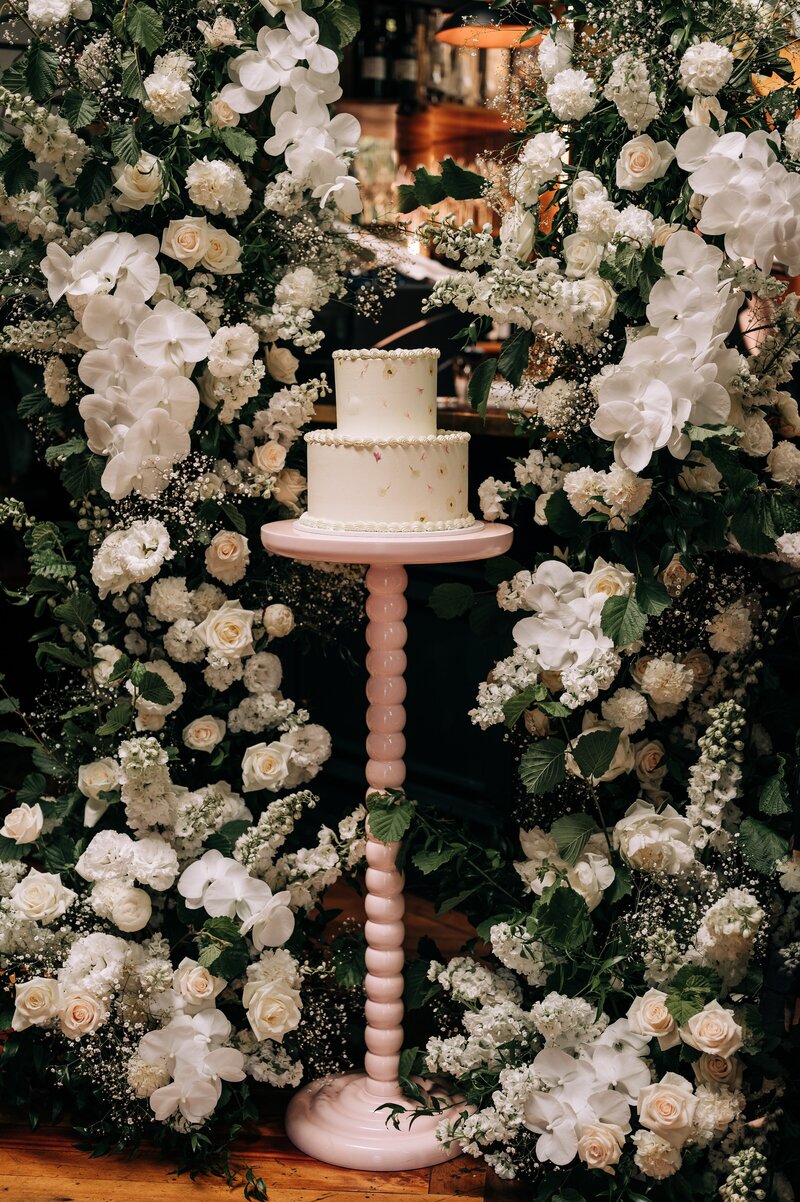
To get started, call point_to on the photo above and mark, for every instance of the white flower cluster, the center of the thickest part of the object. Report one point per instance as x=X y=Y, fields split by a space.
x=590 y=875
x=628 y=86
x=714 y=780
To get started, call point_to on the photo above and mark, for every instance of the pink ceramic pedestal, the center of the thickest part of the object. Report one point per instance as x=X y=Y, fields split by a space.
x=337 y=1119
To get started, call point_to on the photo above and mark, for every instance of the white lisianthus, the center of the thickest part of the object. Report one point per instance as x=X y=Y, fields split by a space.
x=282 y=365
x=154 y=862
x=41 y=896
x=23 y=824
x=232 y=349
x=667 y=1108
x=277 y=620
x=131 y=556
x=641 y=160
x=705 y=68
x=36 y=1002
x=783 y=464
x=273 y=1008
x=203 y=734
x=265 y=766
x=791 y=139
x=139 y=185
x=228 y=630
x=571 y=95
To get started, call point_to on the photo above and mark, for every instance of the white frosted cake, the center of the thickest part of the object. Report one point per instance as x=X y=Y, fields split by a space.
x=386 y=468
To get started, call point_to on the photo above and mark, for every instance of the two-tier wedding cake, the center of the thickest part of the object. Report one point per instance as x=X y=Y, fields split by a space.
x=386 y=468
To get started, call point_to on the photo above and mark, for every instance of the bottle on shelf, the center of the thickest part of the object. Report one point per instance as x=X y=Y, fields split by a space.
x=405 y=64
x=372 y=60
x=391 y=43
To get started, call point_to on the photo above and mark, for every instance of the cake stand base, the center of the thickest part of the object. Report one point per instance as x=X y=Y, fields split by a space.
x=335 y=1120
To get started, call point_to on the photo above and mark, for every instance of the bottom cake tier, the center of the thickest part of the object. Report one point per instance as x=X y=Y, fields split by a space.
x=392 y=485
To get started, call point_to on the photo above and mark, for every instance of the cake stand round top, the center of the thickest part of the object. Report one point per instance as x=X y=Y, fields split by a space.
x=481 y=541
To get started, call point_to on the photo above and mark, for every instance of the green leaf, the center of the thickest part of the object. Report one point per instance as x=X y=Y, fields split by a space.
x=480 y=383
x=81 y=475
x=571 y=834
x=347 y=20
x=239 y=142
x=515 y=707
x=234 y=516
x=761 y=846
x=145 y=26
x=554 y=709
x=562 y=919
x=61 y=655
x=753 y=527
x=683 y=1008
x=651 y=596
x=418 y=989
x=222 y=948
x=10 y=851
x=774 y=796
x=79 y=110
x=59 y=852
x=349 y=962
x=514 y=356
x=77 y=611
x=429 y=189
x=125 y=144
x=451 y=600
x=16 y=169
x=93 y=183
x=41 y=71
x=622 y=620
x=542 y=766
x=594 y=751
x=225 y=838
x=117 y=719
x=461 y=184
x=153 y=687
x=31 y=789
x=132 y=85
x=390 y=815
x=64 y=450
x=561 y=517
x=697 y=979
x=430 y=859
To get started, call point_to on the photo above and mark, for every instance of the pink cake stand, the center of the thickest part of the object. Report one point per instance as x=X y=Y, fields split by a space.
x=337 y=1119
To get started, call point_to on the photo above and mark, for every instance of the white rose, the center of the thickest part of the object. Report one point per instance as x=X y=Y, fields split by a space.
x=36 y=1002
x=676 y=578
x=41 y=896
x=718 y=1071
x=228 y=630
x=585 y=184
x=702 y=110
x=273 y=1008
x=23 y=824
x=667 y=1108
x=81 y=1014
x=227 y=556
x=607 y=580
x=582 y=255
x=289 y=487
x=600 y=1145
x=598 y=297
x=265 y=766
x=517 y=233
x=105 y=661
x=203 y=734
x=699 y=475
x=641 y=160
x=649 y=1016
x=649 y=762
x=590 y=877
x=713 y=1030
x=131 y=908
x=138 y=185
x=221 y=33
x=221 y=115
x=705 y=68
x=186 y=240
x=269 y=457
x=282 y=364
x=223 y=253
x=654 y=841
x=101 y=776
x=196 y=986
x=278 y=620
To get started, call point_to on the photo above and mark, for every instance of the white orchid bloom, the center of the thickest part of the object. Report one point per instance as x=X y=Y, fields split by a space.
x=114 y=365
x=149 y=451
x=273 y=924
x=109 y=318
x=172 y=336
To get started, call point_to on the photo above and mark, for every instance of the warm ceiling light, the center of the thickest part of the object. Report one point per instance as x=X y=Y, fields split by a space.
x=478 y=25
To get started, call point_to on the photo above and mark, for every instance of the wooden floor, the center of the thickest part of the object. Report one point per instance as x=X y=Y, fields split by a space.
x=46 y=1166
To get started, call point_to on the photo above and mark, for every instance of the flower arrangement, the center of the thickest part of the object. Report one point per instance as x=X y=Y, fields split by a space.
x=173 y=183
x=627 y=1034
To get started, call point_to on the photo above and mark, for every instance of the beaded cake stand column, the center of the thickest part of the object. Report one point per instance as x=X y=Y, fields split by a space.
x=337 y=1119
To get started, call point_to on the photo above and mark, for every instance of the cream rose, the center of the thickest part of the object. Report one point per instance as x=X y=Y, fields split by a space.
x=221 y=115
x=667 y=1108
x=41 y=896
x=713 y=1030
x=282 y=364
x=598 y=298
x=265 y=766
x=582 y=256
x=105 y=661
x=186 y=240
x=228 y=630
x=203 y=734
x=269 y=457
x=641 y=160
x=654 y=841
x=36 y=1002
x=23 y=824
x=289 y=487
x=649 y=762
x=223 y=253
x=138 y=185
x=81 y=1014
x=227 y=556
x=278 y=620
x=676 y=578
x=608 y=580
x=600 y=1145
x=716 y=1071
x=221 y=33
x=196 y=986
x=649 y=1016
x=273 y=1008
x=101 y=776
x=130 y=908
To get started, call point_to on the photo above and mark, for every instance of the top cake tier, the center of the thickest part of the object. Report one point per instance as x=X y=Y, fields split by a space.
x=386 y=394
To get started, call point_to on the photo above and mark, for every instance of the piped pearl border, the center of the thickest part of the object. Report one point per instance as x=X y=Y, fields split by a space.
x=312 y=523
x=333 y=438
x=425 y=352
